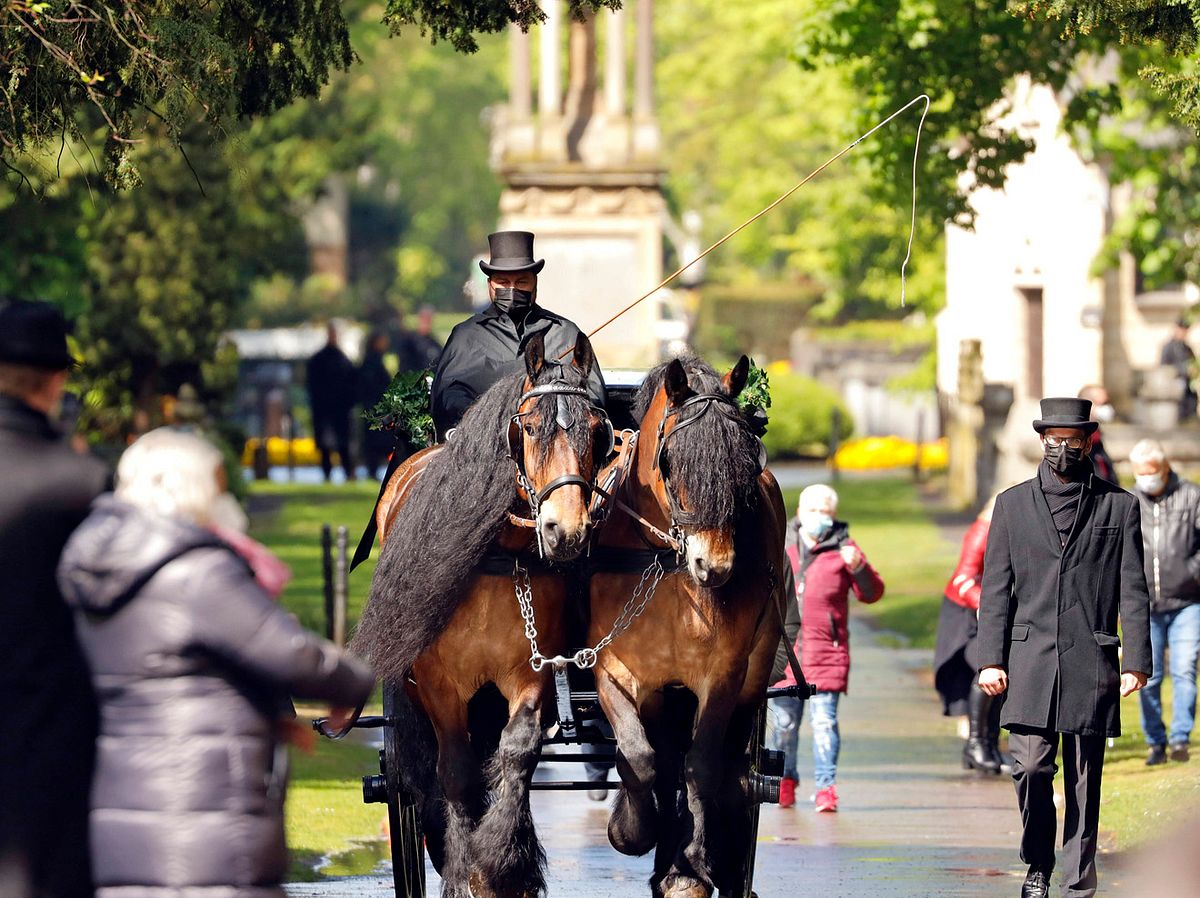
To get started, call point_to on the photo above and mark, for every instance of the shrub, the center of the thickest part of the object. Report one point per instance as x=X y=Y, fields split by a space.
x=801 y=417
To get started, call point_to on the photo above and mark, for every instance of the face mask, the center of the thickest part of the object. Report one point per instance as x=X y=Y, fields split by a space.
x=1103 y=413
x=1151 y=484
x=1063 y=458
x=815 y=524
x=513 y=299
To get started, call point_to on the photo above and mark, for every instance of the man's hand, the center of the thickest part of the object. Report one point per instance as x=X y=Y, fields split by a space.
x=1132 y=681
x=993 y=680
x=853 y=557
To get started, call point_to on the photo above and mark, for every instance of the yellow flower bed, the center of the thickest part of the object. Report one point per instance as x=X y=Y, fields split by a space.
x=304 y=451
x=879 y=453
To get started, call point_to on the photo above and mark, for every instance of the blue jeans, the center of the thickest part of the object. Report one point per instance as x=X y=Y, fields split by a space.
x=783 y=734
x=1179 y=633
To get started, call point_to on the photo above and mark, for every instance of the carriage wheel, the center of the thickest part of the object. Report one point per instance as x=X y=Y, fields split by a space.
x=404 y=817
x=758 y=793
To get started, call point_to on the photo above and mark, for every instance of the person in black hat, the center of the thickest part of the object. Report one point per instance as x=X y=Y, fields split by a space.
x=1063 y=564
x=47 y=752
x=491 y=344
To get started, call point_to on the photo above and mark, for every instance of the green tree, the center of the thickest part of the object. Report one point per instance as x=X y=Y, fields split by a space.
x=142 y=64
x=731 y=150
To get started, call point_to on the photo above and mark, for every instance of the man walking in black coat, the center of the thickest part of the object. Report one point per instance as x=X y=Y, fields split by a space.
x=1063 y=563
x=488 y=346
x=47 y=749
x=331 y=384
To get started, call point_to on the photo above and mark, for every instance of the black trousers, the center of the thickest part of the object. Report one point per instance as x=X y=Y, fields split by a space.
x=1034 y=752
x=333 y=432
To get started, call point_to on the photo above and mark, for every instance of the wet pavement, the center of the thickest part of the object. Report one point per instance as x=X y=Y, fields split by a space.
x=912 y=823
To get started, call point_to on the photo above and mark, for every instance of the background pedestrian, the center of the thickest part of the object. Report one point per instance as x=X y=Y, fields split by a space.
x=194 y=665
x=1177 y=354
x=331 y=380
x=1171 y=533
x=827 y=566
x=48 y=745
x=373 y=381
x=955 y=658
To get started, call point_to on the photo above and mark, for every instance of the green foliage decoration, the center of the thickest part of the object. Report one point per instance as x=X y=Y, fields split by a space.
x=404 y=406
x=757 y=391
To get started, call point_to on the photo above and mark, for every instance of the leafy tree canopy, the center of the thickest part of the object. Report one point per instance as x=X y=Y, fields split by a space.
x=143 y=64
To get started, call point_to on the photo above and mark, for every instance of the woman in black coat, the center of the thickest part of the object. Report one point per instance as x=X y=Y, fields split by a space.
x=193 y=665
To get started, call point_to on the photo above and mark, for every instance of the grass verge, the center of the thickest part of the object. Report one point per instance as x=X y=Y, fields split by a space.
x=324 y=812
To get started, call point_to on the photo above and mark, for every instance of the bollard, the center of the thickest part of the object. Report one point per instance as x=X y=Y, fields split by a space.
x=327 y=577
x=339 y=589
x=835 y=428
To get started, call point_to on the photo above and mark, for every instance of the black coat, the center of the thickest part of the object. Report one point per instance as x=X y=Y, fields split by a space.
x=1049 y=615
x=47 y=742
x=332 y=381
x=1171 y=528
x=193 y=665
x=488 y=347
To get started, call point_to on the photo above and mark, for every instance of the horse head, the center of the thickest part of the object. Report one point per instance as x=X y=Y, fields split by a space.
x=558 y=440
x=706 y=462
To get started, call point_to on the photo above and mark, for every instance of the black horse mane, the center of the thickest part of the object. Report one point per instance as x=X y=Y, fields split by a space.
x=455 y=510
x=713 y=462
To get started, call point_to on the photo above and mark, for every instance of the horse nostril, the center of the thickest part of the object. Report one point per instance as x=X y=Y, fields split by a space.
x=551 y=533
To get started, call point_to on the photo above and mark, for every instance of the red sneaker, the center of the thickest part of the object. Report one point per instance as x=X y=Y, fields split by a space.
x=826 y=800
x=787 y=792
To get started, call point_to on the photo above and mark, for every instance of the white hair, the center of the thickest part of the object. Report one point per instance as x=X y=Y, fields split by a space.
x=819 y=495
x=1148 y=452
x=171 y=473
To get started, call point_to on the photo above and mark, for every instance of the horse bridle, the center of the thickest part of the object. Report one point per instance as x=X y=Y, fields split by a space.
x=564 y=421
x=679 y=515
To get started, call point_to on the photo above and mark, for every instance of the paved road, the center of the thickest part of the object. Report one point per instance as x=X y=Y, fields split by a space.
x=912 y=823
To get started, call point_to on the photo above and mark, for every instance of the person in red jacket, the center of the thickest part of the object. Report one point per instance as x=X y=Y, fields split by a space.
x=954 y=657
x=827 y=566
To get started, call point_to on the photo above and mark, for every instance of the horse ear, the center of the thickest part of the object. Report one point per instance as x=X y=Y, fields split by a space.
x=535 y=355
x=676 y=383
x=735 y=380
x=584 y=356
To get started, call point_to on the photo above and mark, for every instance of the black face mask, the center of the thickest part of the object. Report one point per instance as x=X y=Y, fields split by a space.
x=1063 y=458
x=513 y=299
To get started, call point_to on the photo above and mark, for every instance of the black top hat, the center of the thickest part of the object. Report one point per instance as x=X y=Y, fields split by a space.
x=512 y=251
x=1063 y=412
x=34 y=334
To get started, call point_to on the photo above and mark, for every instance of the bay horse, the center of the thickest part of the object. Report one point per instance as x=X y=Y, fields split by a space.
x=697 y=483
x=468 y=554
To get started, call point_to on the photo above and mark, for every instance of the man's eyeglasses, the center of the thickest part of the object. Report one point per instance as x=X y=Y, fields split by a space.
x=1069 y=442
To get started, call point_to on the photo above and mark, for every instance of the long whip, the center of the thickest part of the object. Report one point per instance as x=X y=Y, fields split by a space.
x=824 y=165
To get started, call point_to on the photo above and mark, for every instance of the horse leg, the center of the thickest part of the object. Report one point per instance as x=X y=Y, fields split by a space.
x=691 y=874
x=461 y=784
x=632 y=823
x=666 y=736
x=734 y=819
x=509 y=860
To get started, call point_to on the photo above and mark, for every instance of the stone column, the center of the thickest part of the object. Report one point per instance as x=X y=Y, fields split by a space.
x=520 y=98
x=552 y=136
x=614 y=63
x=965 y=425
x=645 y=128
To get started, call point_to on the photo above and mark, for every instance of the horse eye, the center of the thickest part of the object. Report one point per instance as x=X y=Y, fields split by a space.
x=529 y=430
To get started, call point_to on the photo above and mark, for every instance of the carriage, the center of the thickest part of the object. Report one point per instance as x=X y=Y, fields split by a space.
x=572 y=723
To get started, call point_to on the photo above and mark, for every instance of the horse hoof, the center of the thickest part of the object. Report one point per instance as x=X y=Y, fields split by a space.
x=677 y=886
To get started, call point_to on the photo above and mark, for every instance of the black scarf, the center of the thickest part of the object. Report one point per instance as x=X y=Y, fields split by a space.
x=1063 y=498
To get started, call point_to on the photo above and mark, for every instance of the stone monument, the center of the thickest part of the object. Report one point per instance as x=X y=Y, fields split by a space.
x=582 y=171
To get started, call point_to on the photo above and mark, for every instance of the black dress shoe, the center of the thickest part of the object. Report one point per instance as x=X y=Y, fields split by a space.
x=1157 y=755
x=1037 y=884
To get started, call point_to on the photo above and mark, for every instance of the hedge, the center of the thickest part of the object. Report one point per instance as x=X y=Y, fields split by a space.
x=801 y=417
